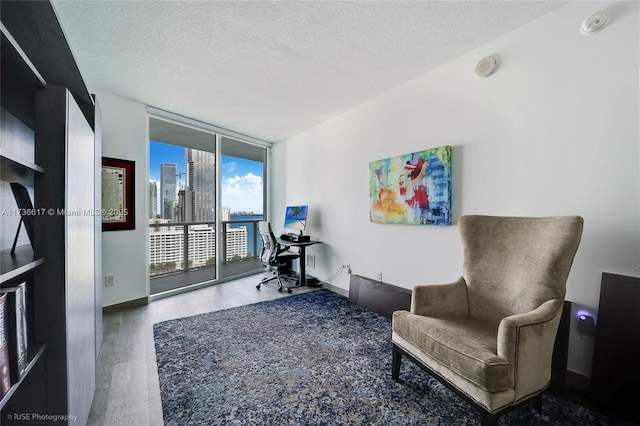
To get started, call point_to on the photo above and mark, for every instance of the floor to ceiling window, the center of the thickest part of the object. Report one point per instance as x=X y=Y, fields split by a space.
x=206 y=195
x=243 y=200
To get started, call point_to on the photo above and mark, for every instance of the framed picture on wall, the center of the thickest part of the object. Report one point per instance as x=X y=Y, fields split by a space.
x=118 y=194
x=412 y=188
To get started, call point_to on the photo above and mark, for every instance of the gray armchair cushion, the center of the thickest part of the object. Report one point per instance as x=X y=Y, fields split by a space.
x=464 y=345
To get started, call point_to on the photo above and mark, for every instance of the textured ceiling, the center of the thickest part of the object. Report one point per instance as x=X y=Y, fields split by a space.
x=274 y=69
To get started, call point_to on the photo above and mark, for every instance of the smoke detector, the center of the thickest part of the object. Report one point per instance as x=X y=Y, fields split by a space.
x=486 y=66
x=594 y=23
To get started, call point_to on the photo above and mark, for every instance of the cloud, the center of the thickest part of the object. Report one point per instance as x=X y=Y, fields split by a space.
x=243 y=185
x=230 y=166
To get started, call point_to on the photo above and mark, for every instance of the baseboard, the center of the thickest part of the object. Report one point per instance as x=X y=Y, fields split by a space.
x=339 y=290
x=118 y=307
x=377 y=296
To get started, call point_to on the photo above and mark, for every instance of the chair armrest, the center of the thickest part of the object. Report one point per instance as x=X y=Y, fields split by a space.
x=440 y=299
x=526 y=341
x=281 y=249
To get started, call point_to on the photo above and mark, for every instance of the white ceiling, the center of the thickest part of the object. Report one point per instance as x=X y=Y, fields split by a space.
x=274 y=69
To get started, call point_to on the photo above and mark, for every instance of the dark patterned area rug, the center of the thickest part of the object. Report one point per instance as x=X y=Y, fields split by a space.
x=310 y=359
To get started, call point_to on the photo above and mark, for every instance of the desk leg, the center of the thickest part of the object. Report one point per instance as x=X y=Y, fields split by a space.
x=303 y=260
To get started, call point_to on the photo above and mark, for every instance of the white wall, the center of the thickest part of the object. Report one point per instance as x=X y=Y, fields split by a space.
x=554 y=131
x=124 y=136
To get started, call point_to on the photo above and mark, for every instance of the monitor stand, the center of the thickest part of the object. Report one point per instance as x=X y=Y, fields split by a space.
x=295 y=236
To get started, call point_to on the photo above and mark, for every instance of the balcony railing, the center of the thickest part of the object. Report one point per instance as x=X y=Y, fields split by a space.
x=176 y=244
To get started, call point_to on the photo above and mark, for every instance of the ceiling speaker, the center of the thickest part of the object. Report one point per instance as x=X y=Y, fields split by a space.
x=486 y=66
x=594 y=23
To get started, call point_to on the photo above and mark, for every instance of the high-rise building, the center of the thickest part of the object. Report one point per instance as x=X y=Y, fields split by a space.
x=166 y=245
x=200 y=191
x=153 y=199
x=226 y=214
x=180 y=216
x=168 y=190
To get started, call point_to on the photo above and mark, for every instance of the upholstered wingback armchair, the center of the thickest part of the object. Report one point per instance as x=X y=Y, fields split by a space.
x=489 y=335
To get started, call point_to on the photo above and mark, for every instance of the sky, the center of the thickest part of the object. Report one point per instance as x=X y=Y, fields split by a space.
x=242 y=184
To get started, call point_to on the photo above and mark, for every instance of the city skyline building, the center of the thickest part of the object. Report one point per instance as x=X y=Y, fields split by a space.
x=180 y=215
x=188 y=197
x=153 y=199
x=200 y=189
x=225 y=213
x=168 y=190
x=166 y=245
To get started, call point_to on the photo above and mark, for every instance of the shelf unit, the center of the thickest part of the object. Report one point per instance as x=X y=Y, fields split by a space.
x=18 y=169
x=35 y=352
x=47 y=144
x=13 y=266
x=19 y=76
x=13 y=168
x=20 y=79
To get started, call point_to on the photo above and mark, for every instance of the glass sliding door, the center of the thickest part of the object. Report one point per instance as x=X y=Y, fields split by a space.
x=243 y=205
x=182 y=209
x=206 y=196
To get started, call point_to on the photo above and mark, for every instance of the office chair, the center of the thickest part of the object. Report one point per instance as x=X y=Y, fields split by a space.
x=276 y=257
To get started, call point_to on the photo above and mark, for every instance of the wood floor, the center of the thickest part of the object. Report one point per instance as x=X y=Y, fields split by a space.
x=127 y=389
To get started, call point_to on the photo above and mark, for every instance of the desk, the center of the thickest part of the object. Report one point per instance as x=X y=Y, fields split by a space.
x=302 y=280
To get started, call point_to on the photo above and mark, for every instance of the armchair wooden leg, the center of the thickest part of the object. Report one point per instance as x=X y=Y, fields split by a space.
x=395 y=363
x=537 y=404
x=488 y=419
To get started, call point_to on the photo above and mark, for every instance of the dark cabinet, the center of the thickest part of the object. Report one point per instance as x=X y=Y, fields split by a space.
x=615 y=375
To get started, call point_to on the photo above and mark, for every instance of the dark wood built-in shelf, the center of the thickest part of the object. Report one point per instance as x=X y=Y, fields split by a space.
x=34 y=353
x=16 y=169
x=21 y=262
x=53 y=58
x=19 y=162
x=48 y=145
x=19 y=79
x=15 y=52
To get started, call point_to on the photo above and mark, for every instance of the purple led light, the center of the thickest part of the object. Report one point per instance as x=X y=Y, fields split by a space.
x=583 y=313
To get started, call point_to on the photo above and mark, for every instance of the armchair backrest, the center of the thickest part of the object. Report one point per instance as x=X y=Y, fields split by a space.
x=514 y=264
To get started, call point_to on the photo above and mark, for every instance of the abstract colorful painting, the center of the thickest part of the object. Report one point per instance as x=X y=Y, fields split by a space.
x=412 y=188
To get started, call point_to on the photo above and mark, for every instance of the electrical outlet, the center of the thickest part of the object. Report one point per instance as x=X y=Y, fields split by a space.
x=347 y=267
x=108 y=281
x=311 y=260
x=379 y=276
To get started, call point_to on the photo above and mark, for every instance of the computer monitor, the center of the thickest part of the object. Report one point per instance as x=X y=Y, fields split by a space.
x=295 y=218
